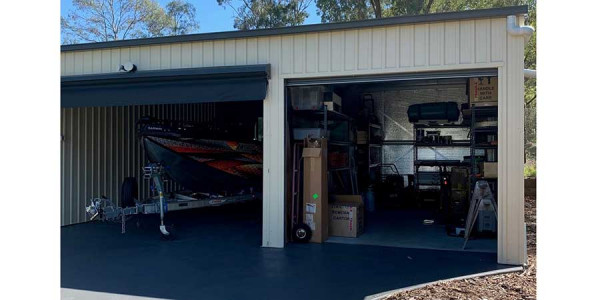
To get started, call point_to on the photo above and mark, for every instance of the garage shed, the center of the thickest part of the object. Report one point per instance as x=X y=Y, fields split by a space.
x=213 y=77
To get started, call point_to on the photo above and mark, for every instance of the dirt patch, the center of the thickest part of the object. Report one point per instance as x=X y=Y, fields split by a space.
x=518 y=285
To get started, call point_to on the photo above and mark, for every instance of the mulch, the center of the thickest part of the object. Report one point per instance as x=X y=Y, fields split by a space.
x=517 y=285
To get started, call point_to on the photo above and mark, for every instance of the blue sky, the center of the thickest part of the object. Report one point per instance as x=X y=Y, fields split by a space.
x=211 y=16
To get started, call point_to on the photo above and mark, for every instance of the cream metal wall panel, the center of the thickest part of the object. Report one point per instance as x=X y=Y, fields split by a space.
x=451 y=43
x=438 y=46
x=350 y=50
x=324 y=53
x=365 y=43
x=407 y=46
x=312 y=52
x=299 y=52
x=421 y=48
x=511 y=230
x=99 y=149
x=436 y=43
x=482 y=38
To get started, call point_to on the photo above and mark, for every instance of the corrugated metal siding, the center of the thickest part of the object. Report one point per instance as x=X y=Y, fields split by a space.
x=99 y=149
x=398 y=47
x=439 y=46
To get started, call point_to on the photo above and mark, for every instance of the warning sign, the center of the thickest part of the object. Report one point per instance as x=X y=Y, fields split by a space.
x=483 y=89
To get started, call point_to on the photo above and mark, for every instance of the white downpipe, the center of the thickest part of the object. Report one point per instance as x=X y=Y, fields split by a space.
x=515 y=29
x=529 y=73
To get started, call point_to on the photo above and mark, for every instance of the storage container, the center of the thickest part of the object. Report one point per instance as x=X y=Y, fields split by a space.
x=442 y=112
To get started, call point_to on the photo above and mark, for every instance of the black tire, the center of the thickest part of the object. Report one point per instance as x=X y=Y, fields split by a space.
x=302 y=233
x=129 y=192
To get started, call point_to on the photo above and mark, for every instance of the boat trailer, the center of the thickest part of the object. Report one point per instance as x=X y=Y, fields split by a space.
x=105 y=210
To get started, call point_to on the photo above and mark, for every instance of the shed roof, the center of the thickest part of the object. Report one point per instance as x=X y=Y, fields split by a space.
x=438 y=17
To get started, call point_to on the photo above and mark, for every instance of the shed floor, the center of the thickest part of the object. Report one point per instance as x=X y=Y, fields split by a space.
x=405 y=228
x=218 y=255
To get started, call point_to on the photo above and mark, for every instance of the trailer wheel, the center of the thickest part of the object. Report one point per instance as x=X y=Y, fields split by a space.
x=129 y=192
x=302 y=233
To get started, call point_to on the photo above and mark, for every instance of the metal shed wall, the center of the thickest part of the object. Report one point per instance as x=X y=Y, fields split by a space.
x=99 y=149
x=438 y=46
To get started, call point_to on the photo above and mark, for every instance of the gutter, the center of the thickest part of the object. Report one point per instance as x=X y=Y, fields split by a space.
x=515 y=29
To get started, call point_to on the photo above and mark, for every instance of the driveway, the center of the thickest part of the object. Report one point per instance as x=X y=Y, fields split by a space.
x=218 y=255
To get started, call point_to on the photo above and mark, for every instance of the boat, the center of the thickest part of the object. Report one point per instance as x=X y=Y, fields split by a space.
x=201 y=158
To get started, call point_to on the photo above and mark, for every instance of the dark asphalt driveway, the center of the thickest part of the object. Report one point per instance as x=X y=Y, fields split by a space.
x=218 y=255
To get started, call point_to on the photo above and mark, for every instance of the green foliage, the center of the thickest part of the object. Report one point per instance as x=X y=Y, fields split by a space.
x=182 y=16
x=109 y=20
x=529 y=170
x=256 y=14
x=350 y=10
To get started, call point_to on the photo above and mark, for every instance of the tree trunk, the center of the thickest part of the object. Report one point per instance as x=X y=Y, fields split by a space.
x=377 y=8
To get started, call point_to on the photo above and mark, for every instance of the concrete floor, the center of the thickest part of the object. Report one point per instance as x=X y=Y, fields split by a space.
x=405 y=228
x=217 y=255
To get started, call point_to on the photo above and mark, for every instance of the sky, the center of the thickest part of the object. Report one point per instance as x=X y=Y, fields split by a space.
x=211 y=16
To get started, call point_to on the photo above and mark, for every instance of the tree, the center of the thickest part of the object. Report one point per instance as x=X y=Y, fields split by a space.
x=256 y=14
x=349 y=10
x=182 y=17
x=109 y=20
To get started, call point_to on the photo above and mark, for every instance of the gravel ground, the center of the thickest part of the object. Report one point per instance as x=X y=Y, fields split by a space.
x=518 y=285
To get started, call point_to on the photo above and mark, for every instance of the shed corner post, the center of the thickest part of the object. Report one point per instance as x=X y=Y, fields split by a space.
x=512 y=239
x=273 y=227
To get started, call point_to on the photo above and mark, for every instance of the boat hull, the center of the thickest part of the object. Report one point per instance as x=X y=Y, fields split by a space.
x=208 y=166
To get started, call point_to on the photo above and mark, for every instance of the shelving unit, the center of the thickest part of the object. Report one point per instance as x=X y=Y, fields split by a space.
x=326 y=116
x=442 y=165
x=370 y=155
x=478 y=113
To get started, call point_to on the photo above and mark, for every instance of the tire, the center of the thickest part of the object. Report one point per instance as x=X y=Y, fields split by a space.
x=302 y=233
x=129 y=192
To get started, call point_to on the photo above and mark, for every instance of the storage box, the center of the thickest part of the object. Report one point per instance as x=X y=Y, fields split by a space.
x=302 y=133
x=333 y=101
x=316 y=197
x=489 y=169
x=362 y=137
x=346 y=216
x=313 y=98
x=331 y=106
x=483 y=91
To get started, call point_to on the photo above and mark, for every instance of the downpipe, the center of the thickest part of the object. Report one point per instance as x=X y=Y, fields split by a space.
x=529 y=73
x=515 y=29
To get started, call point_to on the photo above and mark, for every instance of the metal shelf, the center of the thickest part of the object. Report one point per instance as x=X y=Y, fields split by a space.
x=484 y=146
x=331 y=115
x=485 y=129
x=339 y=143
x=423 y=126
x=465 y=143
x=480 y=112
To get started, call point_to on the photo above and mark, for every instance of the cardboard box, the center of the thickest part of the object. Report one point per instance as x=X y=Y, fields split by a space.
x=346 y=216
x=362 y=137
x=489 y=169
x=483 y=91
x=316 y=197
